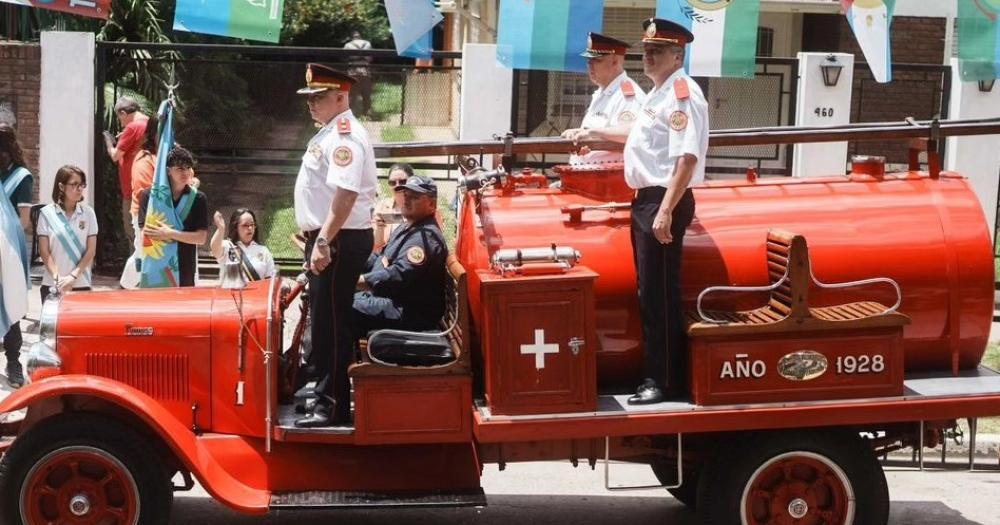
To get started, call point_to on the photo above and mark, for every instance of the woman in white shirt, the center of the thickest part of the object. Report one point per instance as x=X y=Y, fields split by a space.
x=67 y=234
x=240 y=234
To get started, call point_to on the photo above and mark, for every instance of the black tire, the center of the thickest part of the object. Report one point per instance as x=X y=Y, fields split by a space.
x=687 y=493
x=142 y=472
x=848 y=462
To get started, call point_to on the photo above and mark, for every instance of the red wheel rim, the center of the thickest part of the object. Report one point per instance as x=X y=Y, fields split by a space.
x=79 y=485
x=800 y=488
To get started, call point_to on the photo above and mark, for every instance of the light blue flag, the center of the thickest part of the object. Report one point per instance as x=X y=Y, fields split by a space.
x=160 y=268
x=411 y=22
x=422 y=48
x=14 y=278
x=547 y=34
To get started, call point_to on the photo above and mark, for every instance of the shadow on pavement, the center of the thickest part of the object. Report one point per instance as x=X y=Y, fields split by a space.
x=929 y=513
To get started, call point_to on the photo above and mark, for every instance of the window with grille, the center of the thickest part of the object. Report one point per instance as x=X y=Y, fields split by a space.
x=765 y=42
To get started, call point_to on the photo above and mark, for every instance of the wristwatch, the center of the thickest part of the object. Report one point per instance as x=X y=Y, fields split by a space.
x=321 y=242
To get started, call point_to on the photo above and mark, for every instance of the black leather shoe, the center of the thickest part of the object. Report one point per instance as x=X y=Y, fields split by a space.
x=647 y=394
x=15 y=374
x=321 y=415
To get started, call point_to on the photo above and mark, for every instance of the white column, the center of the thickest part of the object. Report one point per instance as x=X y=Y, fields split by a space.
x=66 y=108
x=820 y=105
x=486 y=93
x=977 y=156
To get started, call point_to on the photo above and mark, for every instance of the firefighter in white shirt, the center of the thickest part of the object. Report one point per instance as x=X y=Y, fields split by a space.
x=664 y=153
x=617 y=100
x=334 y=198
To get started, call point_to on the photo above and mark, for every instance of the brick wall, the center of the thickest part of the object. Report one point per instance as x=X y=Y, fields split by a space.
x=912 y=93
x=20 y=79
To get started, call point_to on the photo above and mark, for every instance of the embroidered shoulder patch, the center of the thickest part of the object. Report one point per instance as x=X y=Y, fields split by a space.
x=681 y=90
x=342 y=156
x=627 y=89
x=678 y=120
x=416 y=255
x=626 y=116
x=343 y=125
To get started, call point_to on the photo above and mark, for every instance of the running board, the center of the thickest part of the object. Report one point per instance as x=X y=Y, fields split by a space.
x=374 y=500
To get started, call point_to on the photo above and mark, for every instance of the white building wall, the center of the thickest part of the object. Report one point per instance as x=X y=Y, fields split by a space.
x=821 y=105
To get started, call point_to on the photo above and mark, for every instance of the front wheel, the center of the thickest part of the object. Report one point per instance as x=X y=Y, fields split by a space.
x=807 y=478
x=81 y=468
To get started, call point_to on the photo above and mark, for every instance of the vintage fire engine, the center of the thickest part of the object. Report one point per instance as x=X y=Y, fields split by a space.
x=831 y=320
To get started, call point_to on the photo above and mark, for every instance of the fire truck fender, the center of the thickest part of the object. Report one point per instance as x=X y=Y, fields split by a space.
x=222 y=485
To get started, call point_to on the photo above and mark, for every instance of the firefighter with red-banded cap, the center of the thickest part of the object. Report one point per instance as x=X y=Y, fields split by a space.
x=334 y=197
x=664 y=156
x=616 y=101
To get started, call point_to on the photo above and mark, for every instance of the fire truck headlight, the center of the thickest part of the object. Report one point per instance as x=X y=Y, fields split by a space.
x=47 y=322
x=43 y=360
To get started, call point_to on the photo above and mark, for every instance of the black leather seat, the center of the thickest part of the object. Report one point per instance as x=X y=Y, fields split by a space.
x=410 y=349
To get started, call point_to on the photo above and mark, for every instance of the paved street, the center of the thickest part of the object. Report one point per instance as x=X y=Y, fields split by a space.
x=558 y=494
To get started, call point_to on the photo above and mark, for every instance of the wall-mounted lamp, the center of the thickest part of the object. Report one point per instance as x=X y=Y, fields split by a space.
x=986 y=86
x=831 y=68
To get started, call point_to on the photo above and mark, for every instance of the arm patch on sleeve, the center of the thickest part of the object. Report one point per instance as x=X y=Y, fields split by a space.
x=343 y=156
x=416 y=255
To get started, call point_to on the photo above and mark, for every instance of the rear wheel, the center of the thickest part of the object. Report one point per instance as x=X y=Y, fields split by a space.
x=800 y=478
x=83 y=469
x=687 y=493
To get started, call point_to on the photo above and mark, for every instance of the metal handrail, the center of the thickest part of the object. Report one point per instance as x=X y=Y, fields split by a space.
x=908 y=129
x=874 y=280
x=712 y=289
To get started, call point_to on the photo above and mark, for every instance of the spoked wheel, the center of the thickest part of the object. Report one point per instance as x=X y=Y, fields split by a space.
x=83 y=469
x=795 y=478
x=79 y=485
x=798 y=488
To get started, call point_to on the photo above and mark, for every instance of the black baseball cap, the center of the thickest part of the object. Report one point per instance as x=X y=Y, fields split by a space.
x=419 y=184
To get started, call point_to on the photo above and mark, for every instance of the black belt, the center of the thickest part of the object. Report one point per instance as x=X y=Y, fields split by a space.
x=312 y=234
x=656 y=193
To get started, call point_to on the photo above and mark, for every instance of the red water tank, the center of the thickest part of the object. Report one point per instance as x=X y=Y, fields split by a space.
x=929 y=235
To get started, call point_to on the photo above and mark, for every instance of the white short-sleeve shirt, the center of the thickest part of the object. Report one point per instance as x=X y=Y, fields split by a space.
x=258 y=255
x=667 y=128
x=84 y=224
x=339 y=156
x=609 y=107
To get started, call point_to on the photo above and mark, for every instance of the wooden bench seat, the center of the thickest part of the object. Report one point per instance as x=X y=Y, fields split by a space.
x=788 y=308
x=456 y=312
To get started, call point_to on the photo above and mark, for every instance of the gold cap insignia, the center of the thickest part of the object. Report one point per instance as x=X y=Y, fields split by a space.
x=590 y=42
x=309 y=74
x=651 y=29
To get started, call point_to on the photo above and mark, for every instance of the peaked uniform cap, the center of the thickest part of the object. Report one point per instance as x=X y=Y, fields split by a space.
x=599 y=45
x=419 y=184
x=321 y=78
x=660 y=31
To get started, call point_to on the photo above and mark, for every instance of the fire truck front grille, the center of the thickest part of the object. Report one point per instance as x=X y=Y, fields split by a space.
x=163 y=377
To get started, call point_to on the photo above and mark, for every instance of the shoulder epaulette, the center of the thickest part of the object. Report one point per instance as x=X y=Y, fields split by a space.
x=681 y=90
x=628 y=89
x=344 y=125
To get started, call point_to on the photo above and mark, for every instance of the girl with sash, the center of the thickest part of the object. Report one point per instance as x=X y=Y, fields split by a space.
x=15 y=199
x=190 y=210
x=67 y=235
x=256 y=261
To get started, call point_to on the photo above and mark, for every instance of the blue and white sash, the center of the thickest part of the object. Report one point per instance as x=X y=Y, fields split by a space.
x=19 y=174
x=61 y=229
x=14 y=278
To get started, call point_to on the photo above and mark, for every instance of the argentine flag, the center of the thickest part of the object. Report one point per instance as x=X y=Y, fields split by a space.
x=871 y=21
x=725 y=35
x=14 y=279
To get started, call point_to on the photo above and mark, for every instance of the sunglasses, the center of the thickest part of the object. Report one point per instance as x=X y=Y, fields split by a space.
x=394 y=183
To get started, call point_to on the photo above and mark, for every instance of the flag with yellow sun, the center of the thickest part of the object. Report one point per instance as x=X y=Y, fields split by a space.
x=160 y=266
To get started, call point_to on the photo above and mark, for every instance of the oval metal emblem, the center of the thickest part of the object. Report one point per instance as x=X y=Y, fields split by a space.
x=802 y=365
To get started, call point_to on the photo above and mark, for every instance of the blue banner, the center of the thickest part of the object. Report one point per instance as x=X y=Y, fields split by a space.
x=547 y=34
x=412 y=22
x=160 y=266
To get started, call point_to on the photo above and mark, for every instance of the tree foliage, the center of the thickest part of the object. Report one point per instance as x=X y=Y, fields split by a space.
x=329 y=23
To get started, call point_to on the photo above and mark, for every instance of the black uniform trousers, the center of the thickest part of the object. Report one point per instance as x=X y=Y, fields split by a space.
x=331 y=297
x=12 y=342
x=658 y=269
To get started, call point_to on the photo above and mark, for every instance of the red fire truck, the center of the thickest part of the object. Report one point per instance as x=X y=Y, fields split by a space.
x=831 y=320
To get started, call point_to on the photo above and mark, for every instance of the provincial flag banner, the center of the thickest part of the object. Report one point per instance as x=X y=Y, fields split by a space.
x=871 y=21
x=15 y=280
x=978 y=39
x=247 y=19
x=89 y=8
x=547 y=34
x=725 y=35
x=411 y=22
x=160 y=266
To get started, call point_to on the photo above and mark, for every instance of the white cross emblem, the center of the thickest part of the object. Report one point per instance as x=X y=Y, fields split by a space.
x=539 y=348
